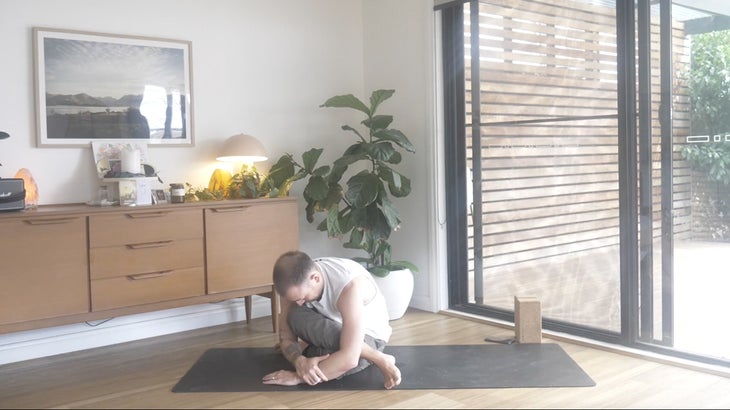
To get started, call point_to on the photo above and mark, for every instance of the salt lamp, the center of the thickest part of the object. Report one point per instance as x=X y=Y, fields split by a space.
x=31 y=188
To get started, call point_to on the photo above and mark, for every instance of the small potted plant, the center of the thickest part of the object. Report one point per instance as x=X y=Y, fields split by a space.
x=360 y=212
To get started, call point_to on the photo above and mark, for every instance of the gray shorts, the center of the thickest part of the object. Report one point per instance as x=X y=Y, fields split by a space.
x=322 y=334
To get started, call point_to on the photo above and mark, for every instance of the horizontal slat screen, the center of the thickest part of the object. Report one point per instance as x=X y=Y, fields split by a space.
x=548 y=143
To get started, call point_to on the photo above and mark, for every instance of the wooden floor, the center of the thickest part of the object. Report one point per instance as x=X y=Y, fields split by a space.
x=141 y=374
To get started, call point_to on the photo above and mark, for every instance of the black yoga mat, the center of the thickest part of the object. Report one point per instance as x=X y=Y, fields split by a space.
x=422 y=367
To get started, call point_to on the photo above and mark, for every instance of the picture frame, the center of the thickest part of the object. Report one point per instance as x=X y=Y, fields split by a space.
x=108 y=157
x=93 y=86
x=159 y=196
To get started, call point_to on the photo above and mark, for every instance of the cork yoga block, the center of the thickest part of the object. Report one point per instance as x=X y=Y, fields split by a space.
x=528 y=320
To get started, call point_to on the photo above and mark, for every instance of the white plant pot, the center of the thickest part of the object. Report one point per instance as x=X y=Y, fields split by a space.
x=397 y=288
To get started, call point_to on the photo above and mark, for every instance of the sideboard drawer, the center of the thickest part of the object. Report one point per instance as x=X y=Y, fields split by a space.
x=132 y=258
x=142 y=288
x=144 y=226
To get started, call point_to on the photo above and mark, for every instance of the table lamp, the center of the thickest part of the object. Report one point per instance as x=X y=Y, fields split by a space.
x=242 y=148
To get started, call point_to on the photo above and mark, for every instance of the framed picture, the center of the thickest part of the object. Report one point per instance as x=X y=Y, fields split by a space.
x=107 y=87
x=158 y=196
x=109 y=158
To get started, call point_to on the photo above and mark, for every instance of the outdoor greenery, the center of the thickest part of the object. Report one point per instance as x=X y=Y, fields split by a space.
x=709 y=83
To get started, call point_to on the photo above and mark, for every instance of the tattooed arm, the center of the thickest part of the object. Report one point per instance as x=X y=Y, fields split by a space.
x=307 y=369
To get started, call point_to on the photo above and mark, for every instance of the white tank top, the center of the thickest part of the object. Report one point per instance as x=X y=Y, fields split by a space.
x=338 y=272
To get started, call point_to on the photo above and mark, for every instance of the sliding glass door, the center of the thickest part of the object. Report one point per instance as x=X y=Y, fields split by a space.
x=570 y=177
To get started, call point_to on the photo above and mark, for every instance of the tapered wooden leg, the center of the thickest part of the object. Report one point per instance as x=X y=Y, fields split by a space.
x=275 y=310
x=249 y=307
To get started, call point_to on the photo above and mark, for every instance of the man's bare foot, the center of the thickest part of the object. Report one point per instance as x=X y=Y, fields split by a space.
x=391 y=373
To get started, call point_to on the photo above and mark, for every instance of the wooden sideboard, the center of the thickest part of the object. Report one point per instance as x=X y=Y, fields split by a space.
x=62 y=264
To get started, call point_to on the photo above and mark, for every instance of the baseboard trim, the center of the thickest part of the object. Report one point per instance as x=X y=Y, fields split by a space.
x=422 y=303
x=33 y=344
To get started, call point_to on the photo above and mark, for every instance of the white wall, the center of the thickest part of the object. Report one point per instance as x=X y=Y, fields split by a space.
x=399 y=54
x=259 y=66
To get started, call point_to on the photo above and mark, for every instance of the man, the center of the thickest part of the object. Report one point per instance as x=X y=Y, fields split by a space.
x=335 y=307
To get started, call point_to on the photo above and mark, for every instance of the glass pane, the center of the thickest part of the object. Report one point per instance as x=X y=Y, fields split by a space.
x=547 y=192
x=702 y=176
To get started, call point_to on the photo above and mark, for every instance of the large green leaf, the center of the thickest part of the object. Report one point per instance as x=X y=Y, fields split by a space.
x=321 y=171
x=336 y=174
x=322 y=226
x=346 y=219
x=389 y=212
x=354 y=149
x=309 y=210
x=379 y=251
x=399 y=185
x=316 y=188
x=395 y=158
x=377 y=97
x=333 y=222
x=378 y=122
x=346 y=101
x=396 y=136
x=359 y=218
x=311 y=157
x=281 y=171
x=379 y=271
x=349 y=128
x=362 y=189
x=355 y=241
x=333 y=197
x=381 y=151
x=375 y=222
x=302 y=173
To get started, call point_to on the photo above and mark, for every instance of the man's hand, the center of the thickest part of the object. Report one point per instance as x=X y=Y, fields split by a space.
x=309 y=371
x=282 y=377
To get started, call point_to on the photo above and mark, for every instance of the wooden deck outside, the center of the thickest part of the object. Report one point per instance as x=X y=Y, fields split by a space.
x=584 y=289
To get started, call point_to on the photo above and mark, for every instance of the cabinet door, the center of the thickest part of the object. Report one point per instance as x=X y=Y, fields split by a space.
x=43 y=268
x=244 y=241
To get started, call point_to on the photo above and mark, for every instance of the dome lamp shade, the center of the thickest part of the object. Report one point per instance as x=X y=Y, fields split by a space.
x=242 y=148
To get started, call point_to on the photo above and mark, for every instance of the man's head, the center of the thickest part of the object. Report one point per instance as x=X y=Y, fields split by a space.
x=296 y=277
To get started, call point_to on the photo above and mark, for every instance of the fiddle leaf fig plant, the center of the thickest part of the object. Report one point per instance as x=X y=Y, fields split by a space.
x=359 y=211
